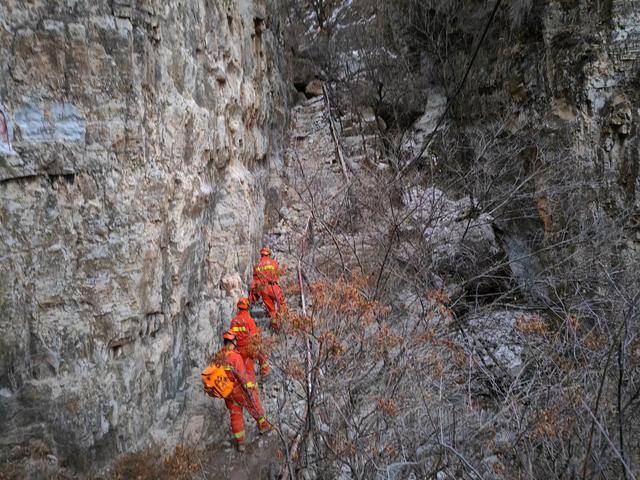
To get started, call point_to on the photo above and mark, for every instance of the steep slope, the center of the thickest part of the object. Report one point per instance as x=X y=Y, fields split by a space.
x=518 y=218
x=133 y=184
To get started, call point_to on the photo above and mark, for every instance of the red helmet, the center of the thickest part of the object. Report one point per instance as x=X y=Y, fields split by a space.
x=265 y=251
x=229 y=335
x=243 y=303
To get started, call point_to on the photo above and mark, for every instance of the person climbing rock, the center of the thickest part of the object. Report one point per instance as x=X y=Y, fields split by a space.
x=249 y=340
x=243 y=395
x=265 y=285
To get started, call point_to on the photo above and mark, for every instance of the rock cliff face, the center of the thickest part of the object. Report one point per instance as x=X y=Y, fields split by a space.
x=138 y=142
x=562 y=82
x=552 y=95
x=569 y=73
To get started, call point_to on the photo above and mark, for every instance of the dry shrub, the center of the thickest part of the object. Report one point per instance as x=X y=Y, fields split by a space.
x=365 y=367
x=182 y=464
x=137 y=466
x=33 y=460
x=12 y=471
x=531 y=325
x=146 y=465
x=420 y=396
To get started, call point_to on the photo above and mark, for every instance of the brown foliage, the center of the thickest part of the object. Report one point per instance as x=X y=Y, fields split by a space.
x=137 y=466
x=531 y=325
x=182 y=464
x=148 y=465
x=365 y=367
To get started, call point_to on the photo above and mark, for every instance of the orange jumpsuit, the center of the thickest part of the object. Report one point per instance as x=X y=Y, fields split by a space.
x=246 y=334
x=244 y=395
x=265 y=284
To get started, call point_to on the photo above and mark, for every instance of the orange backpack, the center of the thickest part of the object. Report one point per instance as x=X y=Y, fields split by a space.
x=216 y=382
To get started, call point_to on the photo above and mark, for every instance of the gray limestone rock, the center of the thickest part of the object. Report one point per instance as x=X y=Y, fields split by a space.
x=459 y=241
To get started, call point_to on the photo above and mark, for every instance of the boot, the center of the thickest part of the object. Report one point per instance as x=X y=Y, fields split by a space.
x=266 y=430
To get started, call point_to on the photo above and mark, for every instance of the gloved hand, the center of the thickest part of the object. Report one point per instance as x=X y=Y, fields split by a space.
x=264 y=370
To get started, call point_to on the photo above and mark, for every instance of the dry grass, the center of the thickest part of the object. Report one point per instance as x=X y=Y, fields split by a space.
x=33 y=460
x=147 y=465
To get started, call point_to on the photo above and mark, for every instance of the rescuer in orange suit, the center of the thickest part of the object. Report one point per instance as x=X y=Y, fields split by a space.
x=265 y=284
x=244 y=394
x=248 y=340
